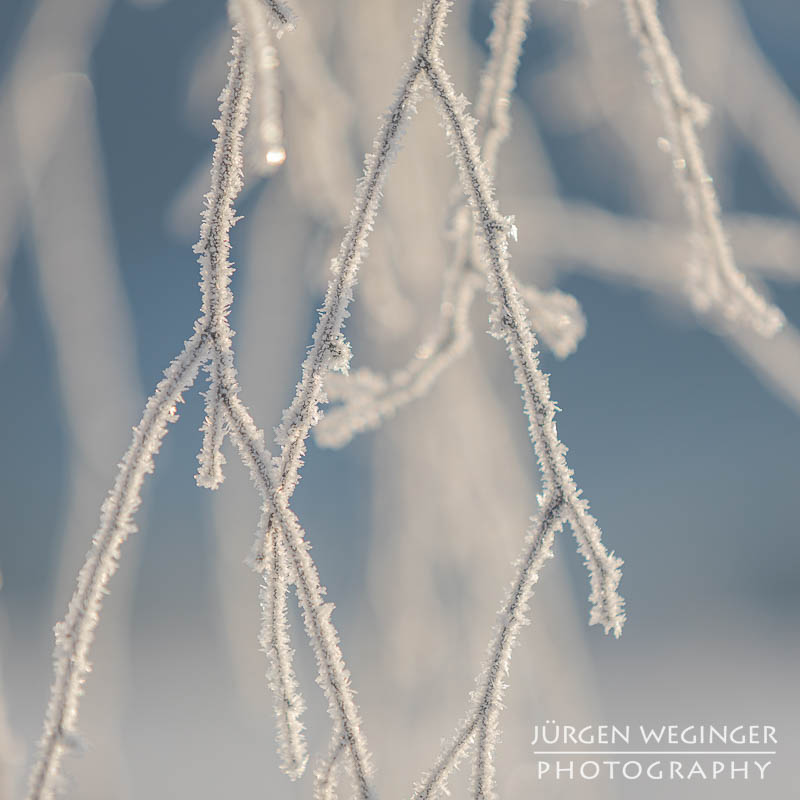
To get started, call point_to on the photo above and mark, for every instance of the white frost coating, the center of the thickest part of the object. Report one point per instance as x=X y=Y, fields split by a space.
x=509 y=321
x=489 y=702
x=480 y=726
x=333 y=676
x=362 y=410
x=253 y=17
x=214 y=249
x=75 y=634
x=716 y=280
x=289 y=704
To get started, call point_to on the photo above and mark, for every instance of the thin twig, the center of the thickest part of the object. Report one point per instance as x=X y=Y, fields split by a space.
x=481 y=722
x=75 y=634
x=274 y=638
x=214 y=248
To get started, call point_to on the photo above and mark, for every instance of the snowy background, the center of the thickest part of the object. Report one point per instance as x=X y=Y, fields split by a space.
x=684 y=440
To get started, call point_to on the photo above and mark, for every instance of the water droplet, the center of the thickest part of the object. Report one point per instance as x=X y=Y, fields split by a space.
x=276 y=156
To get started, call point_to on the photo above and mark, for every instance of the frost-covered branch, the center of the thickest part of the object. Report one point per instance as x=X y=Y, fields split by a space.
x=716 y=280
x=509 y=322
x=333 y=674
x=511 y=618
x=214 y=249
x=75 y=634
x=274 y=638
x=480 y=726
